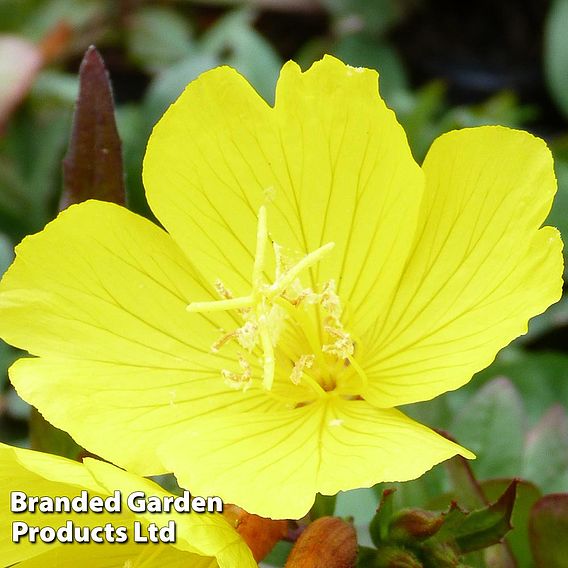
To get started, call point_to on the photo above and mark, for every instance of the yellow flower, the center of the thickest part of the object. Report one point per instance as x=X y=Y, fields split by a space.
x=313 y=277
x=202 y=540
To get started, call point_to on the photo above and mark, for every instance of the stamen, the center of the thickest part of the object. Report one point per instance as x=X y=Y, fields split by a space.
x=306 y=325
x=280 y=261
x=261 y=238
x=247 y=335
x=343 y=346
x=222 y=340
x=242 y=381
x=359 y=370
x=263 y=315
x=289 y=276
x=221 y=305
x=330 y=300
x=268 y=349
x=224 y=292
x=313 y=384
x=304 y=362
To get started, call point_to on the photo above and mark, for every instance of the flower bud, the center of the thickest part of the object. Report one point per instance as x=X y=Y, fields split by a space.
x=259 y=533
x=442 y=554
x=411 y=525
x=395 y=557
x=328 y=542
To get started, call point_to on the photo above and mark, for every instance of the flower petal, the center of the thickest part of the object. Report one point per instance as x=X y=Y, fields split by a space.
x=103 y=284
x=40 y=474
x=94 y=401
x=273 y=465
x=101 y=296
x=97 y=556
x=479 y=268
x=200 y=538
x=205 y=534
x=330 y=161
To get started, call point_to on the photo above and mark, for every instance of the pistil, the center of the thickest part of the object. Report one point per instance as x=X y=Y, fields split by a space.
x=269 y=301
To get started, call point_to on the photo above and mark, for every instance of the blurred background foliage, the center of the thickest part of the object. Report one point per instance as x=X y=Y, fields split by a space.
x=443 y=65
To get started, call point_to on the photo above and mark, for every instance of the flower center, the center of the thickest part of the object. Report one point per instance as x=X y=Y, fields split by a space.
x=267 y=309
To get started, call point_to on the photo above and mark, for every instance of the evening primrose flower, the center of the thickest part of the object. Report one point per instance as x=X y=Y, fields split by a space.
x=312 y=278
x=202 y=540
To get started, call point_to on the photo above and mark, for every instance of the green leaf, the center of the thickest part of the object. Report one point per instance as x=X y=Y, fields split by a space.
x=30 y=169
x=548 y=528
x=546 y=451
x=7 y=357
x=359 y=504
x=324 y=506
x=13 y=198
x=47 y=438
x=559 y=214
x=527 y=495
x=168 y=85
x=556 y=316
x=492 y=426
x=7 y=353
x=279 y=554
x=76 y=14
x=480 y=528
x=541 y=378
x=15 y=13
x=466 y=489
x=418 y=492
x=362 y=50
x=435 y=413
x=502 y=108
x=366 y=557
x=135 y=122
x=93 y=164
x=6 y=253
x=157 y=37
x=55 y=88
x=379 y=527
x=419 y=114
x=375 y=17
x=556 y=53
x=236 y=43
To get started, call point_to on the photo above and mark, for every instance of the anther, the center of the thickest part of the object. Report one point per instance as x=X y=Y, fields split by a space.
x=303 y=363
x=222 y=341
x=239 y=381
x=261 y=308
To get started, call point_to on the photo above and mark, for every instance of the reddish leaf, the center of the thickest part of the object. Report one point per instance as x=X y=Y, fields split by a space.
x=548 y=530
x=92 y=168
x=527 y=495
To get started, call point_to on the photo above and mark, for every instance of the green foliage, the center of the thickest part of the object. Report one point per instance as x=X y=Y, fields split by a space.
x=492 y=425
x=546 y=451
x=323 y=507
x=157 y=38
x=234 y=42
x=527 y=495
x=421 y=538
x=556 y=53
x=548 y=530
x=375 y=17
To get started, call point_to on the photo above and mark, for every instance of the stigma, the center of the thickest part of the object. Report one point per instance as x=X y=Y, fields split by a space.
x=269 y=305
